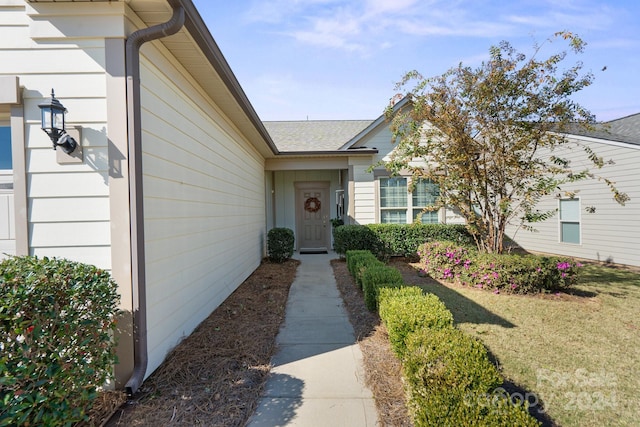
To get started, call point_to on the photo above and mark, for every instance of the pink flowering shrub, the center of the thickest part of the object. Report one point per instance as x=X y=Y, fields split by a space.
x=504 y=273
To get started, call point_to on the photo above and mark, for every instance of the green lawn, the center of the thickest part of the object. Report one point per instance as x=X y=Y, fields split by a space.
x=579 y=354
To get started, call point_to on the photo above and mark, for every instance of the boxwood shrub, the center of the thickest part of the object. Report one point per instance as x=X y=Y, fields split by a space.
x=376 y=276
x=57 y=319
x=451 y=381
x=358 y=261
x=407 y=310
x=280 y=244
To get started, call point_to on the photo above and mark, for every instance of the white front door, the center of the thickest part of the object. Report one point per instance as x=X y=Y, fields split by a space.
x=313 y=219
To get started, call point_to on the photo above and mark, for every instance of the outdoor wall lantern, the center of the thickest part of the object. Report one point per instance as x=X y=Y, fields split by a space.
x=53 y=124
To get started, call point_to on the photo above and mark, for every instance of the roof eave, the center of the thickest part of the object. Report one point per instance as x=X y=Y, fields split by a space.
x=332 y=153
x=202 y=37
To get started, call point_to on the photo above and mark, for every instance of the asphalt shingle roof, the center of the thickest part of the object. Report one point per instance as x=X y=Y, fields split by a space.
x=625 y=129
x=314 y=135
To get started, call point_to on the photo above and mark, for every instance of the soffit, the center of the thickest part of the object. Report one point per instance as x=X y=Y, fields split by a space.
x=194 y=47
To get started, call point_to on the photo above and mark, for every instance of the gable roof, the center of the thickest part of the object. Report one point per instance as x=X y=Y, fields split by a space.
x=314 y=135
x=352 y=143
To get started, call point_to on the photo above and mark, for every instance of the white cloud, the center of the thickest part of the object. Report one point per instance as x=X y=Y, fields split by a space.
x=366 y=25
x=376 y=7
x=277 y=11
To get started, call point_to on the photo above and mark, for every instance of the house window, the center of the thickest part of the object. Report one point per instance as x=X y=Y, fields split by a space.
x=393 y=200
x=570 y=220
x=397 y=207
x=6 y=162
x=424 y=195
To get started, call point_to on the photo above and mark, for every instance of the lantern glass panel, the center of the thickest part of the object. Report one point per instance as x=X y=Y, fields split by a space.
x=46 y=118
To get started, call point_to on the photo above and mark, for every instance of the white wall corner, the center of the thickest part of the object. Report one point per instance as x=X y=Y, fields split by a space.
x=9 y=90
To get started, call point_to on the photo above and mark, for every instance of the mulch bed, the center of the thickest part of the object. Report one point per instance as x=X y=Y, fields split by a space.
x=216 y=375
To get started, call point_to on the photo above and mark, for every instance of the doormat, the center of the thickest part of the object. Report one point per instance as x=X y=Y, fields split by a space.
x=313 y=251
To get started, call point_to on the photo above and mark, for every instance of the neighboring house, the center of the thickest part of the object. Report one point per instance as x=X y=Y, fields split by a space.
x=591 y=224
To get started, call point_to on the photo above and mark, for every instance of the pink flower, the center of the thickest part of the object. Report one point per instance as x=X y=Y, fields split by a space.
x=496 y=291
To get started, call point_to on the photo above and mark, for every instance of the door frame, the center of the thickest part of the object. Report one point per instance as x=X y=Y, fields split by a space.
x=325 y=208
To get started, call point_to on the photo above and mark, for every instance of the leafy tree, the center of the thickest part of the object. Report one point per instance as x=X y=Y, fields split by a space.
x=480 y=133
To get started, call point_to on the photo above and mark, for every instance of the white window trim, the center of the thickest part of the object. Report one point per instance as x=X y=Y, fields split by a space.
x=409 y=208
x=579 y=221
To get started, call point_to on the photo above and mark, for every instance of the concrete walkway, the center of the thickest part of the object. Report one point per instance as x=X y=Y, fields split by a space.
x=317 y=377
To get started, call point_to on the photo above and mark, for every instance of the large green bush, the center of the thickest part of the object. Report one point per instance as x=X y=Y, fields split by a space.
x=408 y=309
x=57 y=319
x=280 y=244
x=377 y=276
x=356 y=237
x=385 y=240
x=405 y=239
x=498 y=272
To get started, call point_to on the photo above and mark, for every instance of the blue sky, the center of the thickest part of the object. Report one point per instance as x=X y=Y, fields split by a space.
x=340 y=59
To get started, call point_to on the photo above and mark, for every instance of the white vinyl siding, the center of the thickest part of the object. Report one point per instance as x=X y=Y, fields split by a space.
x=569 y=218
x=364 y=191
x=204 y=204
x=609 y=231
x=68 y=209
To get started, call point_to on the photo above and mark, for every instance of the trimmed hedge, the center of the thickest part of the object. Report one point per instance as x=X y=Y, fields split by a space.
x=507 y=273
x=395 y=239
x=376 y=276
x=449 y=378
x=356 y=237
x=280 y=243
x=405 y=239
x=451 y=381
x=358 y=261
x=57 y=319
x=406 y=310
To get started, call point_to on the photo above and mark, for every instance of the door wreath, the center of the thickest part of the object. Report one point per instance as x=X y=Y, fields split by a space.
x=312 y=204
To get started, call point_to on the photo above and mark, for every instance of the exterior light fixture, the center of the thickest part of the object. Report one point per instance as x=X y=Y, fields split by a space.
x=53 y=124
